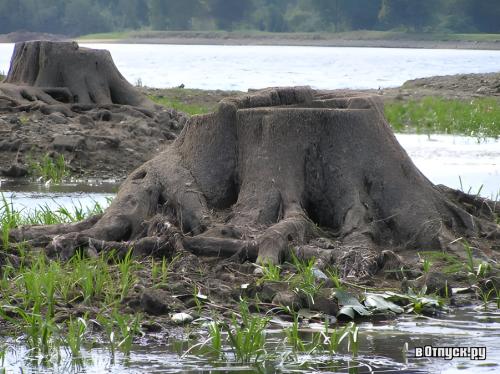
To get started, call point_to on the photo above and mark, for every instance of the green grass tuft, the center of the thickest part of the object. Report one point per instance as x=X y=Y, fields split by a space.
x=49 y=169
x=450 y=264
x=479 y=117
x=304 y=280
x=104 y=36
x=247 y=337
x=191 y=109
x=303 y=37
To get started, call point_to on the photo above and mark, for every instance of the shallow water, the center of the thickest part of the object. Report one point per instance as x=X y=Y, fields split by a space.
x=26 y=196
x=243 y=67
x=380 y=350
x=460 y=162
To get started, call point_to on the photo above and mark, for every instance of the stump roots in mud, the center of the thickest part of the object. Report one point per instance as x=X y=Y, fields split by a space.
x=284 y=168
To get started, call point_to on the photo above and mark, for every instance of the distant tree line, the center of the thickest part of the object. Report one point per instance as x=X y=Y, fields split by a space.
x=78 y=17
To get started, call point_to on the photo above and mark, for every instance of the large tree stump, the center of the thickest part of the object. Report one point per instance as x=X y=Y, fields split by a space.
x=281 y=168
x=47 y=74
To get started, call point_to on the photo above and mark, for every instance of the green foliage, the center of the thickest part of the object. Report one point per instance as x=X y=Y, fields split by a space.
x=293 y=336
x=3 y=353
x=79 y=17
x=426 y=266
x=305 y=279
x=90 y=280
x=416 y=302
x=75 y=337
x=270 y=272
x=215 y=333
x=346 y=15
x=120 y=330
x=127 y=279
x=84 y=17
x=247 y=337
x=333 y=274
x=328 y=340
x=49 y=169
x=9 y=219
x=450 y=264
x=42 y=215
x=227 y=12
x=35 y=287
x=407 y=13
x=271 y=15
x=479 y=117
x=482 y=15
x=31 y=293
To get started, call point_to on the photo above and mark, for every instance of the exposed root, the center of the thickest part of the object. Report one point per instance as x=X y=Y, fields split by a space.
x=275 y=241
x=221 y=247
x=28 y=233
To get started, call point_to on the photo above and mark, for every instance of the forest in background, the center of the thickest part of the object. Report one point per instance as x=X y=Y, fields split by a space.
x=80 y=17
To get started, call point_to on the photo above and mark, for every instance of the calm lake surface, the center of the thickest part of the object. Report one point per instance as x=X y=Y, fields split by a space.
x=243 y=67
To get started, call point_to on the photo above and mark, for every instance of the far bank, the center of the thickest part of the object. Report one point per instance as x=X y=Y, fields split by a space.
x=362 y=38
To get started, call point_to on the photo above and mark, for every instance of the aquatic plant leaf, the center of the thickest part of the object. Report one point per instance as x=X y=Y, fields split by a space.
x=380 y=304
x=416 y=302
x=347 y=311
x=350 y=305
x=309 y=314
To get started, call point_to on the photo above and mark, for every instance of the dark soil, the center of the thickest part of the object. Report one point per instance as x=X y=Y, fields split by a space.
x=95 y=144
x=23 y=36
x=461 y=86
x=209 y=287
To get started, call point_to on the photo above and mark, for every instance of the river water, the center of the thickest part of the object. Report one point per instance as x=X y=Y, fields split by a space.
x=242 y=67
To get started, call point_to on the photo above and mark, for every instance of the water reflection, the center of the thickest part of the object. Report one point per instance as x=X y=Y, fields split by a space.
x=381 y=351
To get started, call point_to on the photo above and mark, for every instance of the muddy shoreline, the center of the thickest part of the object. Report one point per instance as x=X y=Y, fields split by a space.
x=419 y=44
x=362 y=39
